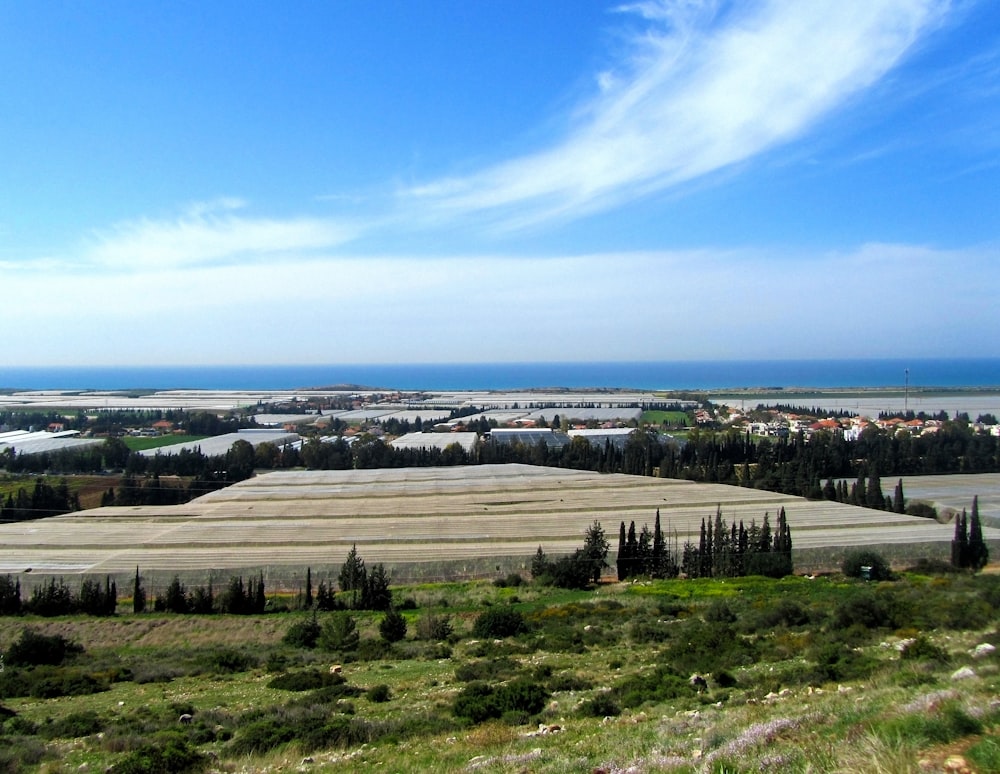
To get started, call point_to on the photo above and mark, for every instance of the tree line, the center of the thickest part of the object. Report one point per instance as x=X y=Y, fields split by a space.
x=356 y=588
x=722 y=551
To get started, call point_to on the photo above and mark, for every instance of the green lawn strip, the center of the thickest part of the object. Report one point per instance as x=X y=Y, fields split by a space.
x=138 y=443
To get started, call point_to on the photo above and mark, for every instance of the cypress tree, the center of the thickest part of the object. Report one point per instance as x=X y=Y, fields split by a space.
x=873 y=494
x=960 y=542
x=898 y=501
x=978 y=553
x=620 y=561
x=309 y=589
x=659 y=559
x=138 y=594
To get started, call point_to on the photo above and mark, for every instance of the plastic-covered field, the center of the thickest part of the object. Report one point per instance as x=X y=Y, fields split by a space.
x=421 y=515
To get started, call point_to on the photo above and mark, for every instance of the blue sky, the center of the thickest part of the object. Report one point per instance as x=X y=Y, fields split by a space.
x=374 y=181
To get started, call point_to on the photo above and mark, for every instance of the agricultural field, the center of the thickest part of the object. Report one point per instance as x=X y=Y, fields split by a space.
x=453 y=522
x=829 y=674
x=669 y=418
x=89 y=488
x=136 y=443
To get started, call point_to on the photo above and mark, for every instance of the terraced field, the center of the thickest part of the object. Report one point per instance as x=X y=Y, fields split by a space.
x=420 y=515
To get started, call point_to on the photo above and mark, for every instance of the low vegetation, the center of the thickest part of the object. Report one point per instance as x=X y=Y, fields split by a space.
x=704 y=675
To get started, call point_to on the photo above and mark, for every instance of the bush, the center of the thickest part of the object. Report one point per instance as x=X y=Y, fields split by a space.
x=498 y=623
x=73 y=726
x=227 y=661
x=167 y=754
x=856 y=560
x=511 y=580
x=33 y=649
x=866 y=610
x=434 y=627
x=379 y=693
x=602 y=705
x=486 y=669
x=305 y=680
x=922 y=649
x=17 y=755
x=478 y=701
x=392 y=627
x=262 y=735
x=339 y=633
x=303 y=634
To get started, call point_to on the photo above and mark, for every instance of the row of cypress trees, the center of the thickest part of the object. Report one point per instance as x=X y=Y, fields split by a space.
x=723 y=551
x=968 y=549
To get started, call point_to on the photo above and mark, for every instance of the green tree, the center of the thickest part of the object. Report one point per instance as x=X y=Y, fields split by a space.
x=353 y=575
x=138 y=594
x=595 y=550
x=376 y=594
x=979 y=554
x=392 y=628
x=339 y=634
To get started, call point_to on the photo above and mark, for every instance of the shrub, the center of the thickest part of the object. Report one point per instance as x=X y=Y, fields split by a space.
x=434 y=627
x=167 y=754
x=478 y=701
x=498 y=623
x=303 y=634
x=923 y=649
x=32 y=649
x=262 y=735
x=305 y=680
x=339 y=633
x=72 y=726
x=600 y=706
x=569 y=682
x=392 y=627
x=228 y=661
x=486 y=669
x=856 y=560
x=866 y=610
x=17 y=755
x=379 y=693
x=511 y=580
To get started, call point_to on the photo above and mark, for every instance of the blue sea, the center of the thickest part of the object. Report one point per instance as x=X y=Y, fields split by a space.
x=667 y=375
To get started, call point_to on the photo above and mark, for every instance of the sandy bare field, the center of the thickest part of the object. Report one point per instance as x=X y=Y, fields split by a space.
x=423 y=515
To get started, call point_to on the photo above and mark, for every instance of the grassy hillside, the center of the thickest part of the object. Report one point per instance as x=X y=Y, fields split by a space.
x=821 y=675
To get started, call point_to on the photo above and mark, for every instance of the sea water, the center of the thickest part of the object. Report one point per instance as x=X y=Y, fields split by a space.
x=665 y=375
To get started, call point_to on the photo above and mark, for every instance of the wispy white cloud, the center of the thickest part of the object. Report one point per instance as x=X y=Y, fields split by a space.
x=208 y=233
x=707 y=86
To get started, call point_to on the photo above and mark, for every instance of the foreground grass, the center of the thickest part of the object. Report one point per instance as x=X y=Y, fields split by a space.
x=801 y=675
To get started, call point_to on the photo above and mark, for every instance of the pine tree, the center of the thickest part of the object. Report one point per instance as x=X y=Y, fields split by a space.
x=540 y=564
x=353 y=575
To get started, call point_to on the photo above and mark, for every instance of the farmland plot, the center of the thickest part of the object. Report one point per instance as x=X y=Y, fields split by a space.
x=422 y=515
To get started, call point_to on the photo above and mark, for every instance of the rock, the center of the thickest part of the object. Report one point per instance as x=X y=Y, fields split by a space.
x=983 y=650
x=963 y=674
x=957 y=764
x=306 y=760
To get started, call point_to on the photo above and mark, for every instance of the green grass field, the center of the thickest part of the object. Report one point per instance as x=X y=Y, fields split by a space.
x=821 y=675
x=142 y=444
x=670 y=418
